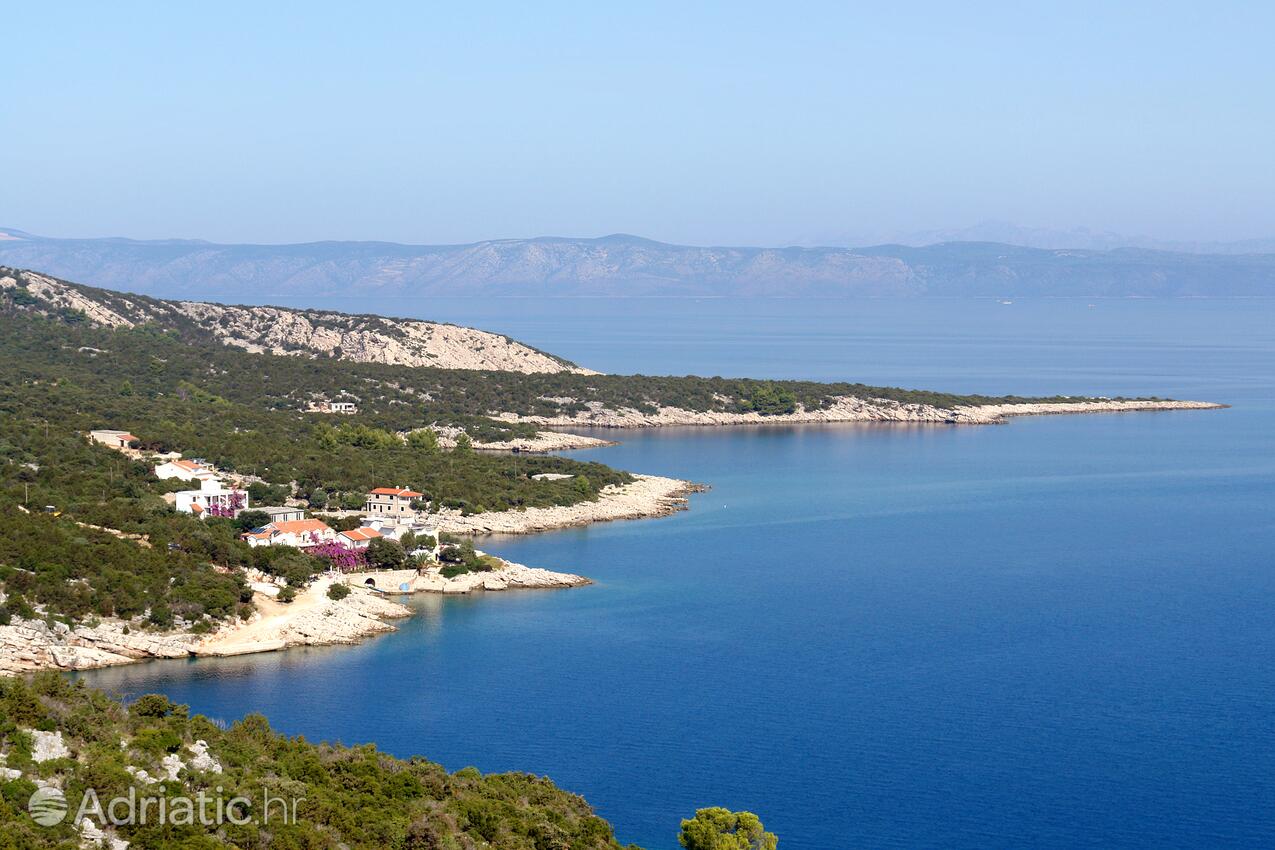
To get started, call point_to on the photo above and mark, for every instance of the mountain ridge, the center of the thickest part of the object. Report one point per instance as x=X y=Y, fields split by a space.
x=623 y=264
x=1076 y=238
x=360 y=338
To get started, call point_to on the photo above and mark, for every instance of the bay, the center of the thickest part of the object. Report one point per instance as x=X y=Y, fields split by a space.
x=1056 y=632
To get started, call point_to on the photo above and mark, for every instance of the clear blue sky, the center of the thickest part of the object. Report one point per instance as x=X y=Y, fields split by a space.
x=730 y=123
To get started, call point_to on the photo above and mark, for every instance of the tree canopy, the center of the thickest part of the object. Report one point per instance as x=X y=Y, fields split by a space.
x=721 y=829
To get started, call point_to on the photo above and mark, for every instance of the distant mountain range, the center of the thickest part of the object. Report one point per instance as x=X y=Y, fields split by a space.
x=629 y=265
x=1008 y=233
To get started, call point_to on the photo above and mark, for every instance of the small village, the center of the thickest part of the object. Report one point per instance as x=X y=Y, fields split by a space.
x=392 y=531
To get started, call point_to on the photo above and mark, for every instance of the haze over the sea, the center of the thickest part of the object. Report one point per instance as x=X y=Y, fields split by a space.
x=813 y=123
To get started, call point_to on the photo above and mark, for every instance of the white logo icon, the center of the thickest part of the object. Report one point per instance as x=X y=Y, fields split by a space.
x=47 y=806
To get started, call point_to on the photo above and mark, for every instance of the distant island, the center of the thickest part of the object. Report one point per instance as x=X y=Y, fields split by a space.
x=622 y=265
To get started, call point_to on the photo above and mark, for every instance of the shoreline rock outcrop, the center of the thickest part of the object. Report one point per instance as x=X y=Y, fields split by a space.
x=846 y=409
x=645 y=497
x=510 y=576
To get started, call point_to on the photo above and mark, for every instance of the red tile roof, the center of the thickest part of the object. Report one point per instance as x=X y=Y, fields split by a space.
x=395 y=491
x=361 y=534
x=299 y=526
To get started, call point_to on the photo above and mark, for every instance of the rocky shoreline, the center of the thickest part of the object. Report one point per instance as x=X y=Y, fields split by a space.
x=994 y=414
x=846 y=409
x=646 y=496
x=543 y=442
x=510 y=576
x=312 y=619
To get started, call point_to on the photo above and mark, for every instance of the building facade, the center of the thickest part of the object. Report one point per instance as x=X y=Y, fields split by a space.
x=184 y=470
x=113 y=439
x=282 y=514
x=211 y=499
x=301 y=533
x=391 y=502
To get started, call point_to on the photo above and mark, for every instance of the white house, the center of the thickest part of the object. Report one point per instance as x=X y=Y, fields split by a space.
x=211 y=499
x=346 y=407
x=113 y=439
x=282 y=514
x=301 y=533
x=185 y=470
x=394 y=528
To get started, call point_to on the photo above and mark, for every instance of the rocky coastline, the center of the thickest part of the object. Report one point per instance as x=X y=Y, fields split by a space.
x=542 y=443
x=847 y=409
x=311 y=619
x=646 y=496
x=509 y=576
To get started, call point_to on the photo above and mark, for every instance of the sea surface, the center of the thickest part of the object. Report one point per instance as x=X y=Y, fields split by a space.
x=1058 y=632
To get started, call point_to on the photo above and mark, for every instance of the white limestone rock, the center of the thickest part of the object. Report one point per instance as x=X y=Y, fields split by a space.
x=172 y=766
x=201 y=759
x=47 y=746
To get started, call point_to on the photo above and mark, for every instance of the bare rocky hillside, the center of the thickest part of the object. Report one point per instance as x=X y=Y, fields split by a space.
x=278 y=330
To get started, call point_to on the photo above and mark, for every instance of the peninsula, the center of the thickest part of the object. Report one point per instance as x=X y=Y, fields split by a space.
x=190 y=479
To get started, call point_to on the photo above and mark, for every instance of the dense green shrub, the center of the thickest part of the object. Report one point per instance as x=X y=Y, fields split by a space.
x=349 y=797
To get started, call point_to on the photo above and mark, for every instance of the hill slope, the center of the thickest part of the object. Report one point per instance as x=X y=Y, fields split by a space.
x=277 y=330
x=60 y=735
x=628 y=265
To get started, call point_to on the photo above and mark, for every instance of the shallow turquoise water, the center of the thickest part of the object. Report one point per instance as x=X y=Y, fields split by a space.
x=1056 y=632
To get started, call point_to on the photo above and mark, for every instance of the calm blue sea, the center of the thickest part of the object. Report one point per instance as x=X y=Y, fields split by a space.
x=1053 y=633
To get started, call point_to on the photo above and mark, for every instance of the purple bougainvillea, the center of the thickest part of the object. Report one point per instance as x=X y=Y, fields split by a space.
x=339 y=555
x=232 y=504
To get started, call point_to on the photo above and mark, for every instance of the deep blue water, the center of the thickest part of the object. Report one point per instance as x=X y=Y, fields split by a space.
x=1052 y=633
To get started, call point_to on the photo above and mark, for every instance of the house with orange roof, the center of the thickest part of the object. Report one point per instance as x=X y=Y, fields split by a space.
x=301 y=533
x=112 y=439
x=358 y=538
x=392 y=502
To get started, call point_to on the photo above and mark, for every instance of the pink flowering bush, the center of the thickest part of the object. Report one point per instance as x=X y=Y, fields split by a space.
x=340 y=556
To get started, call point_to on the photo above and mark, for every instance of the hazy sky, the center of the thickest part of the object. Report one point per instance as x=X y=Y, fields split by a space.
x=730 y=123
